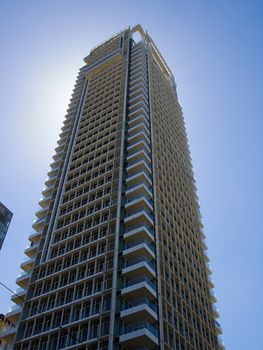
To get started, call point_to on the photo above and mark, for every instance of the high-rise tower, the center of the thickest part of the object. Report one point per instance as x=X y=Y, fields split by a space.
x=5 y=219
x=117 y=257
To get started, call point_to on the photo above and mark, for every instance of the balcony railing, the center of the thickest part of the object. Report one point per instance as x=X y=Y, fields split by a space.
x=14 y=309
x=128 y=328
x=34 y=236
x=140 y=226
x=137 y=84
x=139 y=211
x=134 y=98
x=141 y=173
x=140 y=135
x=138 y=155
x=138 y=146
x=140 y=126
x=133 y=262
x=128 y=283
x=135 y=187
x=140 y=198
x=137 y=242
x=126 y=305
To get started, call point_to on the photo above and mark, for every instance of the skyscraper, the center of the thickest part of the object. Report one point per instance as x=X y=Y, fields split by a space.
x=5 y=219
x=117 y=257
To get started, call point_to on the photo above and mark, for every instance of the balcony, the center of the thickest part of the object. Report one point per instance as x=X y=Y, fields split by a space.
x=140 y=83
x=8 y=333
x=210 y=281
x=138 y=69
x=204 y=244
x=134 y=157
x=35 y=236
x=137 y=96
x=28 y=264
x=208 y=269
x=141 y=308
x=62 y=140
x=14 y=313
x=142 y=110
x=142 y=90
x=59 y=151
x=47 y=191
x=54 y=169
x=137 y=103
x=142 y=126
x=41 y=212
x=31 y=250
x=141 y=145
x=50 y=180
x=142 y=334
x=19 y=296
x=66 y=126
x=139 y=266
x=140 y=80
x=138 y=54
x=63 y=134
x=220 y=343
x=136 y=179
x=213 y=297
x=54 y=166
x=23 y=279
x=138 y=166
x=142 y=216
x=139 y=72
x=38 y=223
x=215 y=311
x=44 y=201
x=218 y=328
x=139 y=231
x=139 y=248
x=137 y=203
x=142 y=135
x=136 y=191
x=135 y=288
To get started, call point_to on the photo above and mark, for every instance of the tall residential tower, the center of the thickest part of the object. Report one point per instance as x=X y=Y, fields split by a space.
x=5 y=219
x=117 y=256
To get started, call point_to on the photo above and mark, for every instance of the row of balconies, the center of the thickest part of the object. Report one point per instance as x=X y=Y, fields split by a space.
x=27 y=267
x=138 y=290
x=138 y=61
x=138 y=82
x=24 y=277
x=22 y=280
x=139 y=56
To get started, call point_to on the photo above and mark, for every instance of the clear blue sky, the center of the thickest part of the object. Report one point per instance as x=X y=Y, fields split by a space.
x=214 y=49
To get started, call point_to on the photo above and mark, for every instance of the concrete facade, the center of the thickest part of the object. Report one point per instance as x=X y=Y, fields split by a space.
x=117 y=257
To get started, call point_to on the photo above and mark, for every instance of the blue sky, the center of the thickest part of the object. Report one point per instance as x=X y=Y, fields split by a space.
x=214 y=49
